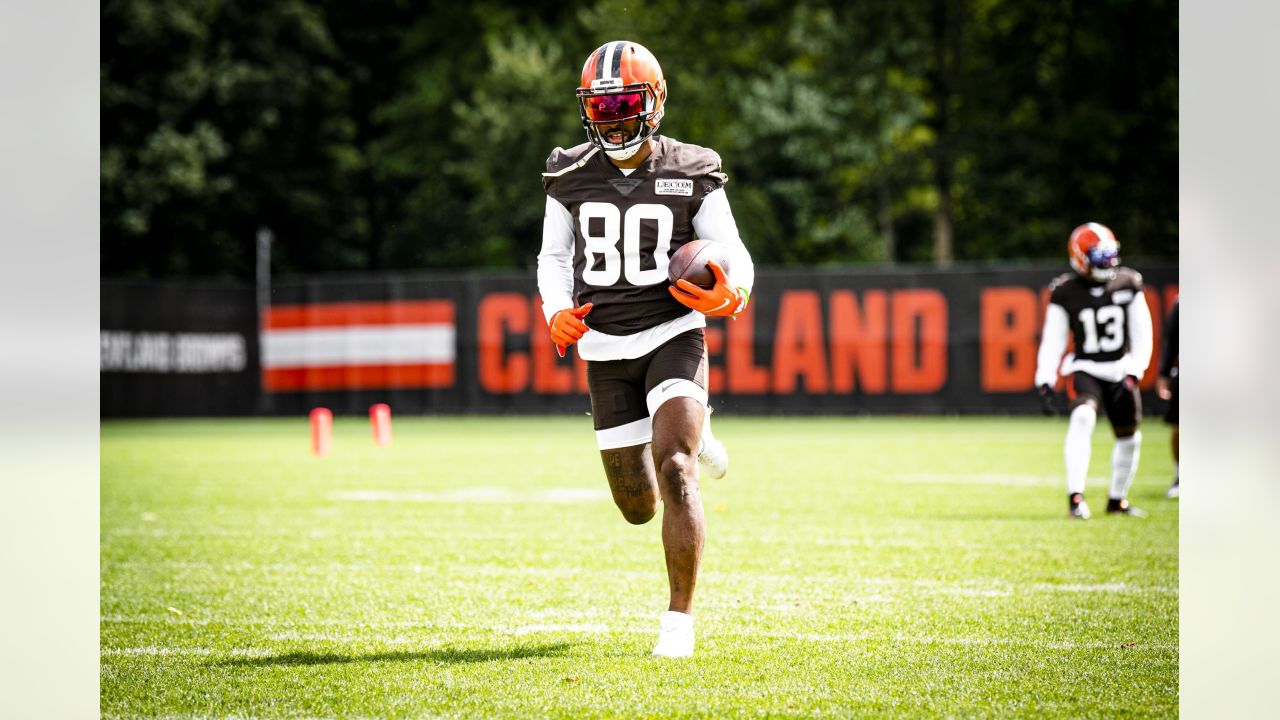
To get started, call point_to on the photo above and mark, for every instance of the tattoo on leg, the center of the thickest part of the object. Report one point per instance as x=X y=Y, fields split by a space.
x=627 y=473
x=631 y=487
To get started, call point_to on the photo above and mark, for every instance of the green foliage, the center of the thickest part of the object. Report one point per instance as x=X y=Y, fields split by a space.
x=404 y=135
x=880 y=568
x=505 y=123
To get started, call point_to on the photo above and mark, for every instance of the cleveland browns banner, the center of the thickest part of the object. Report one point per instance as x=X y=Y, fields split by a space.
x=884 y=340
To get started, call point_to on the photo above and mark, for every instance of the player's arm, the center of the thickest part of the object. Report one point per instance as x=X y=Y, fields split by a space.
x=728 y=297
x=555 y=277
x=714 y=221
x=1140 y=335
x=1053 y=343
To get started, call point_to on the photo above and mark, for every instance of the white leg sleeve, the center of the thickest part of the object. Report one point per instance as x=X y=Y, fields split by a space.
x=1124 y=464
x=706 y=430
x=1078 y=446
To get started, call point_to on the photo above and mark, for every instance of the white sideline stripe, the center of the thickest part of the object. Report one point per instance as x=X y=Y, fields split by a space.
x=358 y=344
x=476 y=495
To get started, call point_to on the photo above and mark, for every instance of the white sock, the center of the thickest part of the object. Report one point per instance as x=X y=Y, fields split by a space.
x=1124 y=464
x=1078 y=446
x=676 y=617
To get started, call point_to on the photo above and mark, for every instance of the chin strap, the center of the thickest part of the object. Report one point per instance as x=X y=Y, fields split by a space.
x=624 y=154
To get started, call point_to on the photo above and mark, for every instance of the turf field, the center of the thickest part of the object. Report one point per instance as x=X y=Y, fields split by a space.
x=899 y=567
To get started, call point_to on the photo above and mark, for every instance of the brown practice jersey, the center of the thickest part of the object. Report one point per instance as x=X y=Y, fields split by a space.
x=1098 y=312
x=626 y=227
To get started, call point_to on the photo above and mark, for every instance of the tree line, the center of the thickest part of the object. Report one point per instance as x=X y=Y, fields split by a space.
x=399 y=135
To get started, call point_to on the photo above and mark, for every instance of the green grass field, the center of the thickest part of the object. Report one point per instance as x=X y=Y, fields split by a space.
x=889 y=567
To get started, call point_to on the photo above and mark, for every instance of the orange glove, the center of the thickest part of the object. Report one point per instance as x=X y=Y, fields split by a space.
x=567 y=328
x=722 y=299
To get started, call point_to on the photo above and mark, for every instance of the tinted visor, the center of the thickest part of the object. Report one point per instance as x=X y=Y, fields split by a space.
x=606 y=108
x=1104 y=256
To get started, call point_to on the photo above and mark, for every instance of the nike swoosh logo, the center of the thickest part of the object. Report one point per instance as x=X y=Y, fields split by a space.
x=726 y=302
x=664 y=387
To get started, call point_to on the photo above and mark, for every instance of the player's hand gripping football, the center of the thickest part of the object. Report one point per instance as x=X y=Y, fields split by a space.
x=721 y=299
x=1046 y=400
x=566 y=326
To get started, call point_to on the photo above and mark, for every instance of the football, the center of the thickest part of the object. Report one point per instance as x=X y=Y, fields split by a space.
x=689 y=262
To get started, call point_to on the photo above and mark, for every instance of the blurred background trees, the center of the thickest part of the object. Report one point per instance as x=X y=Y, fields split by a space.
x=398 y=135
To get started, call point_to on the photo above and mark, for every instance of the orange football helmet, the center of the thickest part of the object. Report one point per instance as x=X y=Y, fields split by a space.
x=622 y=82
x=1094 y=251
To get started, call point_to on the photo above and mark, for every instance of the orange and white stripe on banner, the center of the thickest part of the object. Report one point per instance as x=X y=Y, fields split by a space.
x=358 y=345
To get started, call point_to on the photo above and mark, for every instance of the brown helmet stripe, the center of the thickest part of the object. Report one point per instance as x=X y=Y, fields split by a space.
x=615 y=67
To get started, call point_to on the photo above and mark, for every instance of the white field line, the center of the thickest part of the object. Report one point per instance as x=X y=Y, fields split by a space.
x=707 y=634
x=476 y=495
x=943 y=640
x=854 y=588
x=1001 y=589
x=285 y=623
x=889 y=591
x=187 y=716
x=314 y=533
x=327 y=569
x=984 y=479
x=158 y=650
x=593 y=628
x=290 y=627
x=1121 y=588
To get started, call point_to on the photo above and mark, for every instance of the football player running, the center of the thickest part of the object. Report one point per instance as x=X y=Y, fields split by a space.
x=1103 y=307
x=617 y=207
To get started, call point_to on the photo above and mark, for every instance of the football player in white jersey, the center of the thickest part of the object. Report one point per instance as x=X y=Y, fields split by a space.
x=617 y=207
x=1103 y=308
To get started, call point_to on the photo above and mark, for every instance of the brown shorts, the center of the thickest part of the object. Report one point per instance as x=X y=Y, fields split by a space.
x=1120 y=400
x=625 y=393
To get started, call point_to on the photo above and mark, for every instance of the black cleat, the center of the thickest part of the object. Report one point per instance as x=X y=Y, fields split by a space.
x=1077 y=508
x=1120 y=506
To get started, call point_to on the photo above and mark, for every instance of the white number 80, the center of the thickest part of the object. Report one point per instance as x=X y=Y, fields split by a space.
x=606 y=244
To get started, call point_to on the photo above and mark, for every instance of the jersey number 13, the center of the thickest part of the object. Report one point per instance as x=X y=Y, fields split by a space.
x=1110 y=320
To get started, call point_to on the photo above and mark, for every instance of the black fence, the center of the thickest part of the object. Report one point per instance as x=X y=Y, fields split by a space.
x=847 y=341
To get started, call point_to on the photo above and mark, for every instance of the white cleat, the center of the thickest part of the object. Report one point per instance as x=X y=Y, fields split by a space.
x=675 y=635
x=714 y=457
